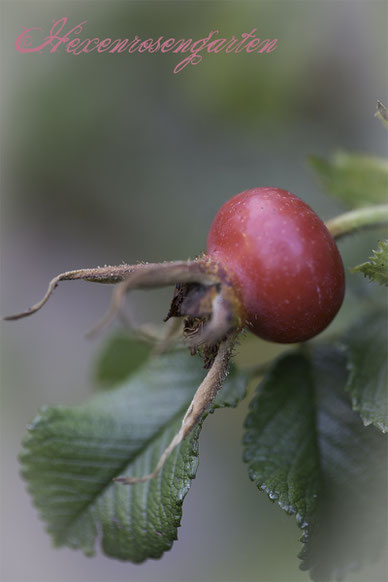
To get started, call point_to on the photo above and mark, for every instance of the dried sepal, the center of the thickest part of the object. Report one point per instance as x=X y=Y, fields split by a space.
x=150 y=275
x=154 y=275
x=107 y=274
x=204 y=296
x=202 y=400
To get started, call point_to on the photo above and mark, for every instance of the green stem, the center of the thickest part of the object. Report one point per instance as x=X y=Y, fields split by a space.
x=367 y=217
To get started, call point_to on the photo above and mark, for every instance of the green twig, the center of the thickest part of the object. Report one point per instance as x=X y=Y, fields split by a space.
x=367 y=217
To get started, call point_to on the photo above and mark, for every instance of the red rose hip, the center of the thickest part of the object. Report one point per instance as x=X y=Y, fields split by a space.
x=284 y=263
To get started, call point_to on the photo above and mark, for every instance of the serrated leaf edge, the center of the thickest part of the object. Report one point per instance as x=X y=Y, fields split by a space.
x=43 y=416
x=273 y=495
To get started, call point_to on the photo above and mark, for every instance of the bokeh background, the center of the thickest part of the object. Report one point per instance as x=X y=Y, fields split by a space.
x=110 y=158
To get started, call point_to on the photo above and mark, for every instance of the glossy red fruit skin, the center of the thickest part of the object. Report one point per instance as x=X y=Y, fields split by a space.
x=285 y=264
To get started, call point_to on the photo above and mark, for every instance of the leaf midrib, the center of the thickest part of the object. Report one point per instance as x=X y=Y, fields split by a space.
x=60 y=538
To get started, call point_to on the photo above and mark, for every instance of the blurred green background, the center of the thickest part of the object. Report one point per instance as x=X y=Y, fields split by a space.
x=109 y=158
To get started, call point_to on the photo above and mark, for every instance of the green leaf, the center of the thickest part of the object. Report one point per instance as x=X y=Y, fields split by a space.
x=120 y=357
x=308 y=450
x=355 y=179
x=376 y=269
x=72 y=454
x=367 y=347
